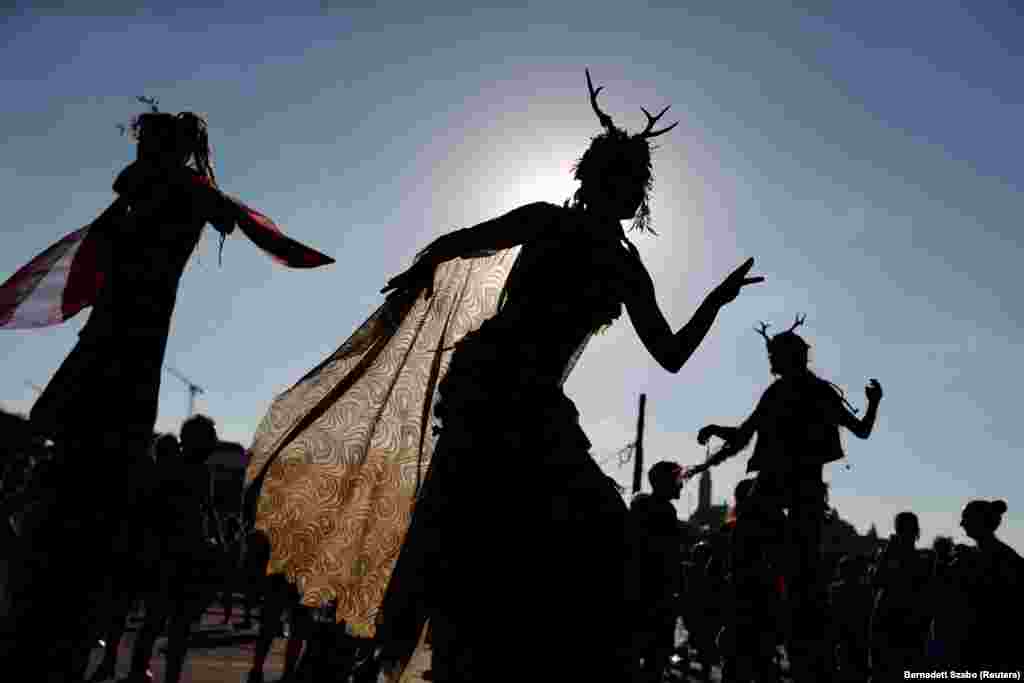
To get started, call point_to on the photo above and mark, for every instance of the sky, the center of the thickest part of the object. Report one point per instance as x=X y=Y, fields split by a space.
x=866 y=154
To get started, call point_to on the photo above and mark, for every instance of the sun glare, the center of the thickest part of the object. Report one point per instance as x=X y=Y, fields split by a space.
x=531 y=174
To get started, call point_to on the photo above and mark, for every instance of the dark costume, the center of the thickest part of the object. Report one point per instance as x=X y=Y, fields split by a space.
x=516 y=531
x=100 y=407
x=797 y=422
x=112 y=376
x=555 y=529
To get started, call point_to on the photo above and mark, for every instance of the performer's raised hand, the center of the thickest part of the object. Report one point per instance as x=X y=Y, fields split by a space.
x=705 y=433
x=419 y=276
x=730 y=287
x=873 y=391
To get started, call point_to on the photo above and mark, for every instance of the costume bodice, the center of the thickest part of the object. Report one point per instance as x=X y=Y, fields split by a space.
x=798 y=426
x=563 y=287
x=144 y=262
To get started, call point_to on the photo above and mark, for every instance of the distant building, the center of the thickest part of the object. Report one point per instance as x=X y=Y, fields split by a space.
x=706 y=514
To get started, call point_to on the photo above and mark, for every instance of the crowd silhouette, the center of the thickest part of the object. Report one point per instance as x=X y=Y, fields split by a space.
x=500 y=527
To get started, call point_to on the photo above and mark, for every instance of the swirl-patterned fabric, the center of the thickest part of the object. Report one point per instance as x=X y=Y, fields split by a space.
x=341 y=455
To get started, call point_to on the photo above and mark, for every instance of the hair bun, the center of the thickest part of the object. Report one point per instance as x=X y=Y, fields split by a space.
x=999 y=506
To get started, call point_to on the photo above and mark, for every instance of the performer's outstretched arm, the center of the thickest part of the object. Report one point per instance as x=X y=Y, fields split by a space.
x=516 y=227
x=736 y=438
x=672 y=350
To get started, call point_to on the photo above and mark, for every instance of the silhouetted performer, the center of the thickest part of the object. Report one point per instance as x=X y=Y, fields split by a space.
x=992 y=580
x=797 y=423
x=899 y=624
x=510 y=448
x=657 y=566
x=101 y=405
x=503 y=396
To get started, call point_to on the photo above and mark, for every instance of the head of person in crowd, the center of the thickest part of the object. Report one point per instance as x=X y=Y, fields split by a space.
x=198 y=439
x=666 y=480
x=907 y=529
x=981 y=518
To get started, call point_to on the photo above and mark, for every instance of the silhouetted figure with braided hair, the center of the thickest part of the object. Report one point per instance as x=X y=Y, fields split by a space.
x=797 y=424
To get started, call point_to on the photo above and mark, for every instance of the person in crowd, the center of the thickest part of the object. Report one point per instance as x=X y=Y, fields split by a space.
x=191 y=569
x=657 y=561
x=901 y=616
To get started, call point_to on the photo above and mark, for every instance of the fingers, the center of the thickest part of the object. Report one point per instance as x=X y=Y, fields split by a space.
x=752 y=280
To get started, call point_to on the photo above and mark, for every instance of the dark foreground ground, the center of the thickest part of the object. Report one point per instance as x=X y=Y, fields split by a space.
x=222 y=654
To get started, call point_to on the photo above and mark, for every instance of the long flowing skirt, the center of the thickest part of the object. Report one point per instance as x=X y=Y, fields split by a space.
x=518 y=537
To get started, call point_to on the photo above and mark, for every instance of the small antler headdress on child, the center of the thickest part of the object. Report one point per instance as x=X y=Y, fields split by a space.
x=614 y=145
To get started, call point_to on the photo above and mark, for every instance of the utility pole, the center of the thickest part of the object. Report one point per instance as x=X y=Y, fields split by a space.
x=193 y=389
x=638 y=463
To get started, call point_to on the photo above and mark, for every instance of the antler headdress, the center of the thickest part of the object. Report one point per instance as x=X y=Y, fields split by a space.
x=606 y=121
x=788 y=335
x=607 y=148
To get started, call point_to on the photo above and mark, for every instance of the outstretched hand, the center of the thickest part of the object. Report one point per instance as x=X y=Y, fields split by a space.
x=873 y=391
x=706 y=433
x=730 y=287
x=419 y=276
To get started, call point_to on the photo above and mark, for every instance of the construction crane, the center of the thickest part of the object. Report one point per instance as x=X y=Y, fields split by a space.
x=193 y=389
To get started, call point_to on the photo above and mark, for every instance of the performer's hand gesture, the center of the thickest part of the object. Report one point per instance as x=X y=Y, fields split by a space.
x=730 y=287
x=706 y=433
x=873 y=391
x=419 y=276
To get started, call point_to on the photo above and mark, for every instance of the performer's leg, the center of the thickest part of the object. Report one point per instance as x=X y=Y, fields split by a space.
x=274 y=604
x=809 y=650
x=302 y=625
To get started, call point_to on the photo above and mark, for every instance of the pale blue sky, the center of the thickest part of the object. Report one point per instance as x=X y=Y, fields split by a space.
x=867 y=154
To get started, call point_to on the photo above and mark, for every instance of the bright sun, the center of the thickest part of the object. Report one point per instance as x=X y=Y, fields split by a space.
x=530 y=173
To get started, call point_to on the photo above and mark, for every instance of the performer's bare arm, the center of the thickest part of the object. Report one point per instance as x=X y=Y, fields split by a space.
x=670 y=349
x=861 y=427
x=736 y=438
x=516 y=227
x=673 y=349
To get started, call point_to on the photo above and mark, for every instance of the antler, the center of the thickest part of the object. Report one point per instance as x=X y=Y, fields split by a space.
x=763 y=331
x=151 y=101
x=799 y=321
x=649 y=131
x=605 y=120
